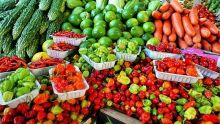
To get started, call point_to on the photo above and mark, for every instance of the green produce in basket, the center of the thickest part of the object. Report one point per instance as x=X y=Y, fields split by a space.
x=77 y=10
x=7 y=96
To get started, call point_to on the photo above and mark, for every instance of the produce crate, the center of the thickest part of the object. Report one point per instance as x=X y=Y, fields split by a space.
x=115 y=117
x=207 y=72
x=99 y=66
x=72 y=41
x=176 y=77
x=160 y=55
x=58 y=54
x=71 y=94
x=126 y=56
x=25 y=98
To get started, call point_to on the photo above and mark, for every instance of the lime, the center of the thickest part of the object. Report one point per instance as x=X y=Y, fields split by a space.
x=84 y=15
x=137 y=31
x=127 y=35
x=114 y=33
x=91 y=40
x=139 y=41
x=85 y=44
x=132 y=22
x=139 y=7
x=86 y=23
x=142 y=16
x=74 y=19
x=100 y=23
x=147 y=36
x=88 y=32
x=111 y=7
x=149 y=27
x=76 y=30
x=119 y=16
x=66 y=26
x=66 y=15
x=98 y=17
x=106 y=41
x=95 y=12
x=90 y=6
x=98 y=32
x=116 y=23
x=77 y=10
x=109 y=16
x=127 y=13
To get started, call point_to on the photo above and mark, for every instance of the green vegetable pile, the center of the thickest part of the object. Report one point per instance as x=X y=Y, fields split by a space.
x=17 y=84
x=129 y=46
x=27 y=24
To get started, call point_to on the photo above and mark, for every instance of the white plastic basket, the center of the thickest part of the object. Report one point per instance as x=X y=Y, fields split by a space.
x=126 y=56
x=176 y=77
x=5 y=74
x=99 y=66
x=43 y=71
x=72 y=41
x=71 y=94
x=218 y=62
x=160 y=55
x=24 y=98
x=58 y=54
x=207 y=72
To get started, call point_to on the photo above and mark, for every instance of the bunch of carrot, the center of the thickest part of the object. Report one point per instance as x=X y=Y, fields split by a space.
x=177 y=25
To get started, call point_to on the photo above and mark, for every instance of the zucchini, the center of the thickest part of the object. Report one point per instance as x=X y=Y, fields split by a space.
x=9 y=20
x=23 y=19
x=54 y=11
x=7 y=4
x=44 y=4
x=30 y=30
x=44 y=25
x=7 y=43
x=33 y=47
x=54 y=26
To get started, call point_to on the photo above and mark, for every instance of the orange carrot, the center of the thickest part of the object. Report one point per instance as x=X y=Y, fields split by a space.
x=188 y=26
x=182 y=44
x=212 y=38
x=188 y=40
x=205 y=32
x=165 y=38
x=159 y=29
x=197 y=37
x=194 y=17
x=164 y=7
x=172 y=37
x=172 y=44
x=176 y=6
x=167 y=27
x=197 y=45
x=177 y=24
x=186 y=11
x=156 y=14
x=166 y=15
x=211 y=26
x=158 y=35
x=206 y=45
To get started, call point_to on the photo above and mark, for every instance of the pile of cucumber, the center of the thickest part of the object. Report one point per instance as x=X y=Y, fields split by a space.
x=26 y=24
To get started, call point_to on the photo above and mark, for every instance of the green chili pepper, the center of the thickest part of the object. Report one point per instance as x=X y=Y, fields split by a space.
x=160 y=116
x=147 y=102
x=179 y=108
x=190 y=113
x=205 y=109
x=147 y=109
x=154 y=111
x=152 y=96
x=165 y=99
x=195 y=94
x=181 y=101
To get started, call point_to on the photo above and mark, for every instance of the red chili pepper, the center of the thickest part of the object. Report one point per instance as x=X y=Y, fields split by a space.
x=189 y=104
x=212 y=118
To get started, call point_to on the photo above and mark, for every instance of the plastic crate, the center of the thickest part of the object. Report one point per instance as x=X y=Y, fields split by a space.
x=126 y=56
x=160 y=55
x=43 y=71
x=176 y=77
x=72 y=41
x=71 y=94
x=58 y=54
x=207 y=72
x=99 y=66
x=24 y=98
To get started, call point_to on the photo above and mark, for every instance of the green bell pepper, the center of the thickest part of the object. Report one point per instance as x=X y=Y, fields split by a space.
x=147 y=102
x=190 y=113
x=28 y=84
x=7 y=96
x=147 y=109
x=7 y=85
x=22 y=90
x=181 y=101
x=195 y=94
x=134 y=88
x=29 y=78
x=165 y=99
x=179 y=108
x=205 y=109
